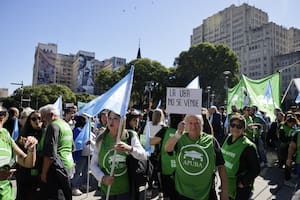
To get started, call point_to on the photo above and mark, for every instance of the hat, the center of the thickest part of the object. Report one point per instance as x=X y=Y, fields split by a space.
x=133 y=114
x=238 y=116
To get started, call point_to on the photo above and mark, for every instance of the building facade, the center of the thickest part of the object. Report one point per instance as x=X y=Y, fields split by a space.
x=257 y=42
x=78 y=72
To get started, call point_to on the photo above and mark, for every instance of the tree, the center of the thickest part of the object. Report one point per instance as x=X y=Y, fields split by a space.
x=105 y=79
x=147 y=71
x=208 y=61
x=39 y=95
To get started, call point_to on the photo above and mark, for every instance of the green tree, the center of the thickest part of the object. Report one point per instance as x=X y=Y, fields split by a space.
x=105 y=79
x=147 y=71
x=208 y=61
x=39 y=95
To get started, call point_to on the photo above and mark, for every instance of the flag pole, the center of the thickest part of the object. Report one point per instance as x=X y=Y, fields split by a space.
x=120 y=129
x=89 y=160
x=286 y=91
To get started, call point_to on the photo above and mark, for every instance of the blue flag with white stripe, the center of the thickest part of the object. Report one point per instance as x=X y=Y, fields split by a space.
x=15 y=133
x=83 y=136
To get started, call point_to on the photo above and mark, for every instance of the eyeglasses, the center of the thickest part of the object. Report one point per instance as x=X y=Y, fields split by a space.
x=2 y=113
x=238 y=126
x=35 y=118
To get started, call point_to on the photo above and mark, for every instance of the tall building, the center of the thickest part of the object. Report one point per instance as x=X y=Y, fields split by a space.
x=248 y=32
x=77 y=72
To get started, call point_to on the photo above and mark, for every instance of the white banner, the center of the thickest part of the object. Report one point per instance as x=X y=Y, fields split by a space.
x=184 y=100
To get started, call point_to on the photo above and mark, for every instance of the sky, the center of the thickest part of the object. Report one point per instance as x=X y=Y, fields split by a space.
x=111 y=28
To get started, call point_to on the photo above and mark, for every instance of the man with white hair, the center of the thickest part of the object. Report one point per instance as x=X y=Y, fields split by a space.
x=58 y=163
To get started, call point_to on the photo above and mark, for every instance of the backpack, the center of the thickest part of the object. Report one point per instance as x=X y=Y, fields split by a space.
x=138 y=171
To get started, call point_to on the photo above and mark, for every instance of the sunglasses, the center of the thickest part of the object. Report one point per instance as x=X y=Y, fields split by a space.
x=238 y=126
x=2 y=113
x=35 y=118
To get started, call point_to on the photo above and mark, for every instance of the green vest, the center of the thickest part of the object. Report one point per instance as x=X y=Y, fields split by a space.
x=232 y=154
x=6 y=157
x=168 y=163
x=298 y=147
x=195 y=166
x=106 y=154
x=288 y=132
x=65 y=142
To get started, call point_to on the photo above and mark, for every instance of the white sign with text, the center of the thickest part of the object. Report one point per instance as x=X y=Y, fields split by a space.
x=184 y=100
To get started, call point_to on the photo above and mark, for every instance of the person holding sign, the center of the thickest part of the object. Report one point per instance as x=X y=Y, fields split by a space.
x=198 y=155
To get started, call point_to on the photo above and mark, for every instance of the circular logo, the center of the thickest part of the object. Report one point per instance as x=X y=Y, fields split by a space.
x=193 y=159
x=120 y=163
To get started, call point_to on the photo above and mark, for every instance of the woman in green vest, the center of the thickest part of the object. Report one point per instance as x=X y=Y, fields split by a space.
x=241 y=160
x=198 y=156
x=8 y=149
x=103 y=158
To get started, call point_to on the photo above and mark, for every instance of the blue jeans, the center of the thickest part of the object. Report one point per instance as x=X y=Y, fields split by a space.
x=261 y=150
x=81 y=172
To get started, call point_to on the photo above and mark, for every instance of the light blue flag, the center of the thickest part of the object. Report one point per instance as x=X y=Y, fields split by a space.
x=158 y=105
x=268 y=93
x=194 y=84
x=115 y=99
x=83 y=136
x=297 y=100
x=58 y=105
x=147 y=143
x=15 y=133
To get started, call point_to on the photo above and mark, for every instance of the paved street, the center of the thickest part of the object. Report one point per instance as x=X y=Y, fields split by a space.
x=268 y=186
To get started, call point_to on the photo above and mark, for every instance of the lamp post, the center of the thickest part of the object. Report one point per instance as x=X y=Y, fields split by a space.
x=208 y=94
x=226 y=76
x=148 y=88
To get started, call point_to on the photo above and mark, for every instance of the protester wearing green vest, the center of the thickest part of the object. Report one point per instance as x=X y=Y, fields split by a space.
x=198 y=155
x=58 y=164
x=8 y=150
x=167 y=161
x=241 y=160
x=294 y=148
x=103 y=158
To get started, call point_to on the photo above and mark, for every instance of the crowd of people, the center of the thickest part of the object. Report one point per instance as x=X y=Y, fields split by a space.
x=187 y=152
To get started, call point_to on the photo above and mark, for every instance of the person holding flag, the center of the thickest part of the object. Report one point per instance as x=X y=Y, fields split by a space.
x=84 y=147
x=103 y=157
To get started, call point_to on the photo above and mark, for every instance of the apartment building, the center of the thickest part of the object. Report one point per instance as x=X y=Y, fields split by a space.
x=76 y=71
x=248 y=32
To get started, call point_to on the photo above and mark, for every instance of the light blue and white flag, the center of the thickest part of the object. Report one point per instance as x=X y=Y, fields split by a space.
x=194 y=84
x=147 y=143
x=58 y=105
x=15 y=133
x=268 y=93
x=115 y=99
x=83 y=136
x=297 y=100
x=158 y=105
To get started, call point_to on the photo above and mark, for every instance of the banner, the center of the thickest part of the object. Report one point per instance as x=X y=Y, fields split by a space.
x=264 y=93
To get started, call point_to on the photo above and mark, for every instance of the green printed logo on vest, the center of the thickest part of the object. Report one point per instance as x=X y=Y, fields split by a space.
x=120 y=162
x=193 y=159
